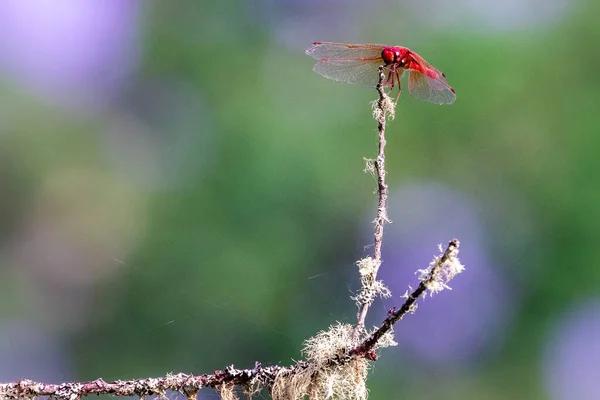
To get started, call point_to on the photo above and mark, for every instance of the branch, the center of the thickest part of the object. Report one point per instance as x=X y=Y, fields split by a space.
x=189 y=385
x=435 y=278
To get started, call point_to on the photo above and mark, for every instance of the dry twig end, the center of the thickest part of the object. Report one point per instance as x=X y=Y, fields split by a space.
x=442 y=269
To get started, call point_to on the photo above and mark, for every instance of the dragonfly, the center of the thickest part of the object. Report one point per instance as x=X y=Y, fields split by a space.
x=359 y=64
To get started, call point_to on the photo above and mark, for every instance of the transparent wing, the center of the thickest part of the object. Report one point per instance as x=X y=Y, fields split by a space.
x=362 y=72
x=430 y=88
x=323 y=50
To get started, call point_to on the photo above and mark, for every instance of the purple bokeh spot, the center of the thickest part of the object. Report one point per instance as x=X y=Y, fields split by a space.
x=71 y=51
x=453 y=325
x=572 y=358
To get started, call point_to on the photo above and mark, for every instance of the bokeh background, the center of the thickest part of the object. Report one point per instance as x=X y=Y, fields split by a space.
x=180 y=192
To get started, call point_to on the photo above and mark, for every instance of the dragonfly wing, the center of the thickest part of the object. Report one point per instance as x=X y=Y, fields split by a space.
x=433 y=90
x=323 y=50
x=363 y=72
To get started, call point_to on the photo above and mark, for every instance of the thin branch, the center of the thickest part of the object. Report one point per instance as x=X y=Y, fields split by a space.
x=436 y=275
x=381 y=110
x=382 y=187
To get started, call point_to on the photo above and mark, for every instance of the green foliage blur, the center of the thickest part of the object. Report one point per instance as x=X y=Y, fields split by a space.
x=240 y=244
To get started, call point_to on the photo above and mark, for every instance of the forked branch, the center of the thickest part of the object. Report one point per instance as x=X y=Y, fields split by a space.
x=350 y=351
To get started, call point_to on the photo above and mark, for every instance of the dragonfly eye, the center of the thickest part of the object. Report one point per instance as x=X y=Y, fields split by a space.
x=388 y=55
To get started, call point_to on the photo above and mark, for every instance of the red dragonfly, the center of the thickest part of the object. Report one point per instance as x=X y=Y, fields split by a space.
x=358 y=64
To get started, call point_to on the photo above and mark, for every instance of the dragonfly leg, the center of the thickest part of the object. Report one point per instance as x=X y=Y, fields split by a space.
x=399 y=86
x=391 y=80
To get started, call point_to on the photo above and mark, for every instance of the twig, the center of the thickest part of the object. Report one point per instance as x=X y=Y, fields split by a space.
x=381 y=110
x=437 y=275
x=382 y=187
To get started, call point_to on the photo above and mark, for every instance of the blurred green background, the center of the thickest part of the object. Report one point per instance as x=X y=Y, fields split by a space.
x=180 y=192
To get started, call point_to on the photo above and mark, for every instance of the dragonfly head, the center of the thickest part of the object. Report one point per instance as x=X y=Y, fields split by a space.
x=395 y=55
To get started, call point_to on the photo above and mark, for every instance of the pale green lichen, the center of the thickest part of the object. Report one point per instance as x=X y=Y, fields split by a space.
x=370 y=287
x=324 y=378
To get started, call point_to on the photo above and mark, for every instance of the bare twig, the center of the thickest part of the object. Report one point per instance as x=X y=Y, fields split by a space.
x=382 y=107
x=442 y=269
